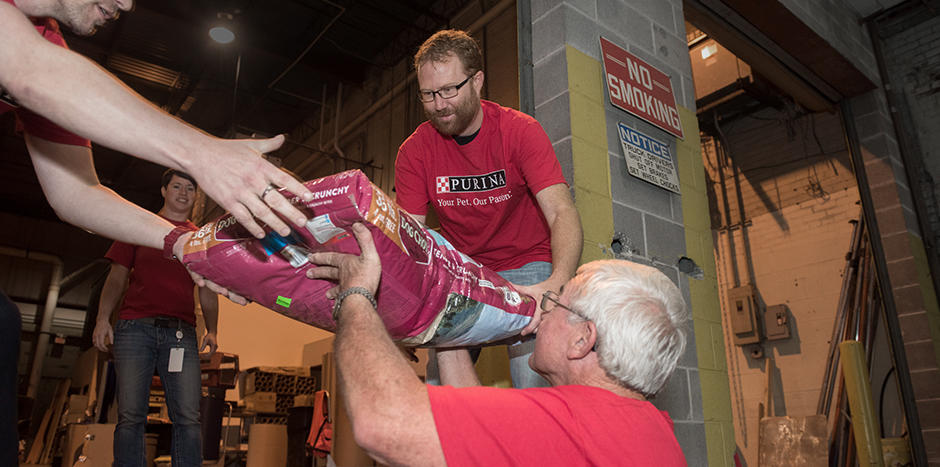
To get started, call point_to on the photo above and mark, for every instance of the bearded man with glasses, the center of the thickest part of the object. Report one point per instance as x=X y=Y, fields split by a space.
x=607 y=344
x=491 y=175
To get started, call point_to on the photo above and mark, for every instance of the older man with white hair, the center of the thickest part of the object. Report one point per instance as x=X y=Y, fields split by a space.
x=607 y=344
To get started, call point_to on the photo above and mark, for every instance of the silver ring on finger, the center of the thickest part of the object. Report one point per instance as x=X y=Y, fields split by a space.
x=268 y=188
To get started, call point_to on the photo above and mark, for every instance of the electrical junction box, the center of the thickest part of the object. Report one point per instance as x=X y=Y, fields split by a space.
x=777 y=322
x=743 y=303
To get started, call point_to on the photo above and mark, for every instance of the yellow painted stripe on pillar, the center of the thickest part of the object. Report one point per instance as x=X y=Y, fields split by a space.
x=591 y=163
x=926 y=288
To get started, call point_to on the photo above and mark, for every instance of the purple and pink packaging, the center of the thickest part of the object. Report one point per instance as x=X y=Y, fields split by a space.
x=430 y=294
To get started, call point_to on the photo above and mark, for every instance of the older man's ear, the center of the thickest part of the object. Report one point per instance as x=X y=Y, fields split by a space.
x=583 y=345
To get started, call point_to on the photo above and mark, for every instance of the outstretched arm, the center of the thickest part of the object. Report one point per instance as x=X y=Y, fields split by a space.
x=78 y=95
x=209 y=303
x=68 y=179
x=67 y=175
x=386 y=402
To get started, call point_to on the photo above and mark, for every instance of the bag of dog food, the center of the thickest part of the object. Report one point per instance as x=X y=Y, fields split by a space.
x=430 y=294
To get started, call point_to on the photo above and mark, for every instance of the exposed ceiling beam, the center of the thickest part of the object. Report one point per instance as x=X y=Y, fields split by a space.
x=766 y=57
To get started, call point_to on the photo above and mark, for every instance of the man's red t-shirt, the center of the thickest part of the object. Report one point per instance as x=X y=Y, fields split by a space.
x=484 y=191
x=28 y=121
x=158 y=286
x=558 y=426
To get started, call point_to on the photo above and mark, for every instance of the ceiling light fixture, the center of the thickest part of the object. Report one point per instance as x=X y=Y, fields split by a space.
x=221 y=31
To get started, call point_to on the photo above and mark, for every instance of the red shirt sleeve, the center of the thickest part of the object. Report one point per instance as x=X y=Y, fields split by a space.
x=34 y=124
x=410 y=188
x=40 y=127
x=537 y=161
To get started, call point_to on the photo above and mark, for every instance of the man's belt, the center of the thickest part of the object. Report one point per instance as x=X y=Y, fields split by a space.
x=164 y=322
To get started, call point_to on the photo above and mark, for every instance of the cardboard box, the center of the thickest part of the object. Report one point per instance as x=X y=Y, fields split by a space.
x=259 y=381
x=261 y=402
x=283 y=370
x=314 y=351
x=282 y=380
x=218 y=361
x=94 y=443
x=303 y=400
x=76 y=409
x=223 y=378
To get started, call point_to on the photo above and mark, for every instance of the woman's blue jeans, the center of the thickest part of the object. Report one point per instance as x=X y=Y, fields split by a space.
x=140 y=346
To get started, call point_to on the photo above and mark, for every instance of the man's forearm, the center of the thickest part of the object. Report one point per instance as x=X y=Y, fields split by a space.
x=89 y=101
x=567 y=239
x=456 y=368
x=107 y=304
x=387 y=404
x=68 y=178
x=209 y=303
x=371 y=366
x=123 y=221
x=111 y=292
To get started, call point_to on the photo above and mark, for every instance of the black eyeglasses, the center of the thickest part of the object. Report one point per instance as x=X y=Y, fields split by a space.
x=446 y=92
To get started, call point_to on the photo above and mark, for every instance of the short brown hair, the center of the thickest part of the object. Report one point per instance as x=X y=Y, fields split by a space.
x=168 y=175
x=442 y=44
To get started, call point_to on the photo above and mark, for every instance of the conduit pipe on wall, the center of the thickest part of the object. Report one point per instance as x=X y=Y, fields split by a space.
x=310 y=45
x=322 y=147
x=339 y=107
x=320 y=131
x=272 y=85
x=70 y=280
x=52 y=299
x=483 y=20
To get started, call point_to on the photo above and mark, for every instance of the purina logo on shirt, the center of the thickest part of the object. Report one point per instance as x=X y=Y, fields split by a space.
x=471 y=183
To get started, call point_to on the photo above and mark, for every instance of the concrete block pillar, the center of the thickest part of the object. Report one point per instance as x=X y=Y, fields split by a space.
x=905 y=258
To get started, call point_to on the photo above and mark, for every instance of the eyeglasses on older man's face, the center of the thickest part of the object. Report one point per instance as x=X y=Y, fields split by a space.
x=551 y=299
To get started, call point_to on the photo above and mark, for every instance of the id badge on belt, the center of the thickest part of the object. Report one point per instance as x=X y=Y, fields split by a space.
x=176 y=354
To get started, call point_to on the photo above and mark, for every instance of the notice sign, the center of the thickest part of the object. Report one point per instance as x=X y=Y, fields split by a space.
x=648 y=159
x=640 y=89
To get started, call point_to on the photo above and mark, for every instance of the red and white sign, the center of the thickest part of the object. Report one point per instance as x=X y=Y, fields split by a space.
x=639 y=88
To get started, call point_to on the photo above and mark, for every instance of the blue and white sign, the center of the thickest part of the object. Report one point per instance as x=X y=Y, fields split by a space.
x=648 y=159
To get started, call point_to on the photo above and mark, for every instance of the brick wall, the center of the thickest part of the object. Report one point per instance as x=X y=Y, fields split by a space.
x=912 y=59
x=911 y=285
x=911 y=54
x=789 y=158
x=781 y=208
